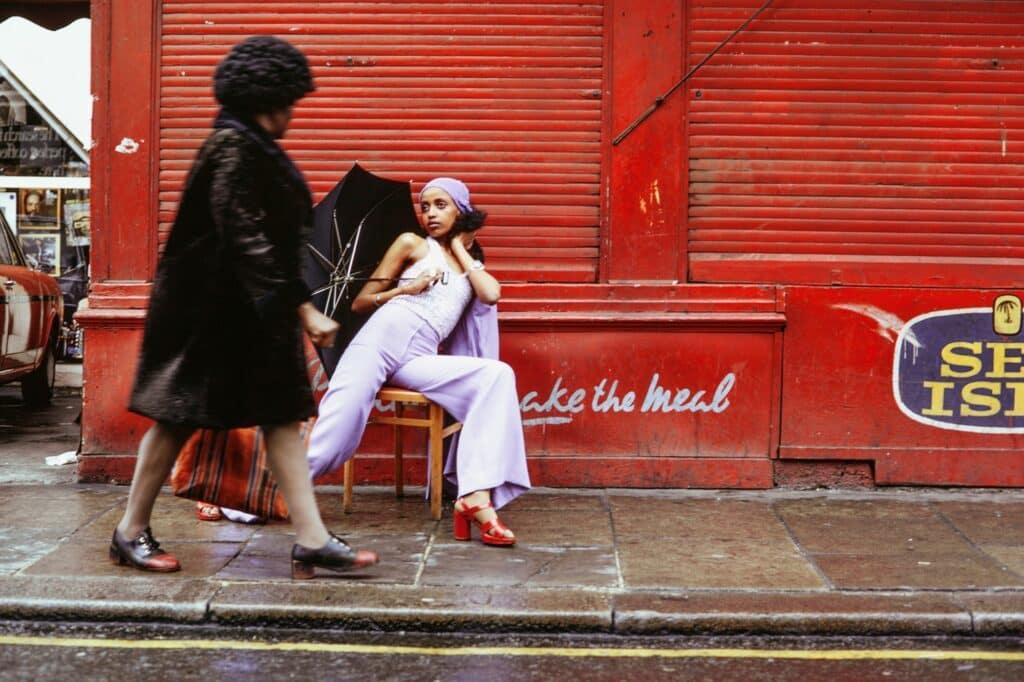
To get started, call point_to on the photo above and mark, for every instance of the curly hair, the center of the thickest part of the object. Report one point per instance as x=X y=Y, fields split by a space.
x=262 y=74
x=468 y=222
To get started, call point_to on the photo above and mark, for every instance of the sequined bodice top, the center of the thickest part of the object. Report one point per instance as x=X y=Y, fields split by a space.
x=441 y=304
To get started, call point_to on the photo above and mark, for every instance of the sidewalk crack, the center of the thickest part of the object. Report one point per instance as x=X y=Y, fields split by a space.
x=620 y=579
x=426 y=555
x=808 y=557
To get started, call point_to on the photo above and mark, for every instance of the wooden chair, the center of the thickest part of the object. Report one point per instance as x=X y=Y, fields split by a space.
x=433 y=421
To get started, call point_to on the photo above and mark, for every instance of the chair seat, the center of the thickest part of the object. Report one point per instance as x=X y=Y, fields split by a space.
x=436 y=431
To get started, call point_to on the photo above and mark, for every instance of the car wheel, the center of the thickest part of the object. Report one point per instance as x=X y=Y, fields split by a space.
x=37 y=387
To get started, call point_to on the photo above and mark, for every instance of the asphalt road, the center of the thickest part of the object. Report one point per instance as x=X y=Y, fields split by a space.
x=34 y=651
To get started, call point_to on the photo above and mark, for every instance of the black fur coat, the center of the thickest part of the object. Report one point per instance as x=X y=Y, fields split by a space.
x=223 y=346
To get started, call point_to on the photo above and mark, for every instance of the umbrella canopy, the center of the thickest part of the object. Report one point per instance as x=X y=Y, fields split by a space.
x=353 y=226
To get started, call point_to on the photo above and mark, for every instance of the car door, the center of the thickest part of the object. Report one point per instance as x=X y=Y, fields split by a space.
x=6 y=259
x=16 y=309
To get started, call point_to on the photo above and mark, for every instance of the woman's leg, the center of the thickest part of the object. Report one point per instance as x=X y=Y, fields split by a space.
x=390 y=337
x=286 y=456
x=314 y=546
x=157 y=452
x=344 y=409
x=491 y=457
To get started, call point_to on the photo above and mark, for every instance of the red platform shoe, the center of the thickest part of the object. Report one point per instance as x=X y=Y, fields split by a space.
x=491 y=532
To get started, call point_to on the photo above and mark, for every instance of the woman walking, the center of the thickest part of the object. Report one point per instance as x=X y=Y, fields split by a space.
x=421 y=292
x=222 y=346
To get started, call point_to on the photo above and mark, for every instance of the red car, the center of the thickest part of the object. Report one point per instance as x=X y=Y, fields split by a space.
x=31 y=309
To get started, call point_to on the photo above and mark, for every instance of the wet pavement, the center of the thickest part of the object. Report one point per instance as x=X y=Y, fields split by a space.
x=895 y=562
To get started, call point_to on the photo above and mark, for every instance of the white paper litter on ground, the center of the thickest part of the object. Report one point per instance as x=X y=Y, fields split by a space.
x=69 y=457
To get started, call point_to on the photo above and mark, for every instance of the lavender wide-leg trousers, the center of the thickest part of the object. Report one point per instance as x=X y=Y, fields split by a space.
x=399 y=348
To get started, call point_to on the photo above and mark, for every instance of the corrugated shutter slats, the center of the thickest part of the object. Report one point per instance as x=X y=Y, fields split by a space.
x=855 y=130
x=505 y=95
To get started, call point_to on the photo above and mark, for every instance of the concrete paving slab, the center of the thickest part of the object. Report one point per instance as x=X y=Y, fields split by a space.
x=22 y=547
x=682 y=519
x=58 y=507
x=105 y=598
x=553 y=499
x=1010 y=556
x=89 y=558
x=267 y=557
x=824 y=526
x=174 y=520
x=789 y=613
x=986 y=523
x=473 y=564
x=553 y=528
x=377 y=511
x=712 y=563
x=343 y=603
x=915 y=571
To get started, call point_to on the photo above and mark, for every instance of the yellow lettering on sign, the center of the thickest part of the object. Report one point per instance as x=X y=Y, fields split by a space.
x=1000 y=360
x=950 y=359
x=938 y=389
x=990 y=403
x=1017 y=388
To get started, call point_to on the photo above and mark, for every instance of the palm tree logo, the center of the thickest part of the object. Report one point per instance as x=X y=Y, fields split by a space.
x=1006 y=315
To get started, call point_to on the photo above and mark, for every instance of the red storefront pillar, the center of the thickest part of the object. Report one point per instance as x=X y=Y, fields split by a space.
x=645 y=173
x=124 y=204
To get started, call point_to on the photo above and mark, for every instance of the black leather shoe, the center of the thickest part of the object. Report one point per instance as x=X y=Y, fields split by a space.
x=142 y=552
x=336 y=555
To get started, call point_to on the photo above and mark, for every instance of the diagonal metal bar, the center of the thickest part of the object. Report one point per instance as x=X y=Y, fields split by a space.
x=658 y=101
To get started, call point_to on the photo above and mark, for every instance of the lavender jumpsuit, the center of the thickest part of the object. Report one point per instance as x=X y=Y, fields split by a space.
x=399 y=345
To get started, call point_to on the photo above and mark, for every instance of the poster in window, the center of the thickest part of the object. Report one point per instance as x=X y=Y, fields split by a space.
x=37 y=208
x=42 y=250
x=9 y=207
x=76 y=223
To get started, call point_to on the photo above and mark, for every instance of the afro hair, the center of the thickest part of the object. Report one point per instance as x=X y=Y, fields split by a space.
x=262 y=74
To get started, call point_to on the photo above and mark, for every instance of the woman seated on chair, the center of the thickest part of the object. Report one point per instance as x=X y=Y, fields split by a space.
x=424 y=290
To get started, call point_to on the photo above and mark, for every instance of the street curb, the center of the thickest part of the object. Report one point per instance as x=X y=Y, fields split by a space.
x=104 y=599
x=359 y=606
x=373 y=607
x=797 y=613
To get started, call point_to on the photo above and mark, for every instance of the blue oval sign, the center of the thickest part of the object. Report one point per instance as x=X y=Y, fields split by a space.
x=952 y=370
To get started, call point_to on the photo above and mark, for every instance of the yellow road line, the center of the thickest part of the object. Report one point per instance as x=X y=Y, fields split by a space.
x=574 y=652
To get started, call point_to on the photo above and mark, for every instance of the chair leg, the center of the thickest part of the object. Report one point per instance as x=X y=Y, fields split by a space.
x=436 y=459
x=399 y=438
x=346 y=500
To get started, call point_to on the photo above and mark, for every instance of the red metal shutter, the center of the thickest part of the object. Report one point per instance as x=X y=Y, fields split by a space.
x=852 y=141
x=504 y=95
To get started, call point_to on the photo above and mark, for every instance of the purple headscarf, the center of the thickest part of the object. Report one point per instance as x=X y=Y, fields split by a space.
x=456 y=189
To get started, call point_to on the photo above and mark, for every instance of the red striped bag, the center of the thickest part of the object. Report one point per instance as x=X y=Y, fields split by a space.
x=229 y=468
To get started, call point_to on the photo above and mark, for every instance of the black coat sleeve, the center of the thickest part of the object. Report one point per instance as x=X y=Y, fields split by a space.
x=265 y=267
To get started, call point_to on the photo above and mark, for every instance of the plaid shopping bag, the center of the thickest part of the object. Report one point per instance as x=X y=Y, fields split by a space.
x=229 y=468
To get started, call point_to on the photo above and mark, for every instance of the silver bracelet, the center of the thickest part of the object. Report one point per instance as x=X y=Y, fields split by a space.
x=376 y=300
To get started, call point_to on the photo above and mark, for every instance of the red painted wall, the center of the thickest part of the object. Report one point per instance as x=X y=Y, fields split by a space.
x=810 y=338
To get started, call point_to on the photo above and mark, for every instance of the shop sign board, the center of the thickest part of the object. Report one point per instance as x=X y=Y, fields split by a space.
x=963 y=369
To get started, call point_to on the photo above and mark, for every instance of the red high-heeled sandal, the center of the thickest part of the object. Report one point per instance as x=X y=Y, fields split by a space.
x=463 y=518
x=208 y=512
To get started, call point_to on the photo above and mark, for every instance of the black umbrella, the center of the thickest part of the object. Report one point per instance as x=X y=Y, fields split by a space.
x=353 y=226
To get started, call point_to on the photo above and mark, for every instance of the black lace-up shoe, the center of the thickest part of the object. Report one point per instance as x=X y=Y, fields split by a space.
x=142 y=552
x=336 y=555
